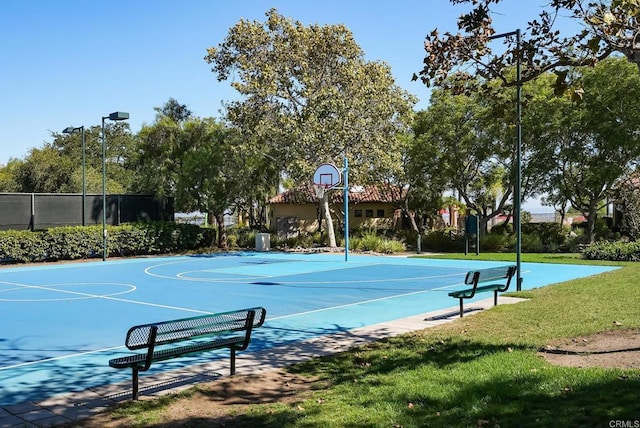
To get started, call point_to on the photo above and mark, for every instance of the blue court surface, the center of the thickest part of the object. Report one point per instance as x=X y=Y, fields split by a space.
x=62 y=323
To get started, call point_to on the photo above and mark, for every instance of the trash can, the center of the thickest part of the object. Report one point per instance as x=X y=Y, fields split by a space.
x=263 y=242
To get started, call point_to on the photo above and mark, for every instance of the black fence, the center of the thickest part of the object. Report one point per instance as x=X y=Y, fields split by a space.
x=34 y=211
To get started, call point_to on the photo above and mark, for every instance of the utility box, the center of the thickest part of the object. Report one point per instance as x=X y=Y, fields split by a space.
x=263 y=242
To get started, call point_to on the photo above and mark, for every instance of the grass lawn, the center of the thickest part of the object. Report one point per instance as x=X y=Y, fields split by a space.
x=481 y=370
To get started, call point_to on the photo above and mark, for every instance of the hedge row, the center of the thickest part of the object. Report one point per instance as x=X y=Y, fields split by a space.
x=71 y=243
x=615 y=251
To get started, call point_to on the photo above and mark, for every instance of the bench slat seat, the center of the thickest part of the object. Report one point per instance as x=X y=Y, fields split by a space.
x=231 y=330
x=166 y=354
x=483 y=277
x=468 y=293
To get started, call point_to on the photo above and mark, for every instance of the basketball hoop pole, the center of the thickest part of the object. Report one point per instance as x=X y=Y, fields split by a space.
x=346 y=209
x=327 y=177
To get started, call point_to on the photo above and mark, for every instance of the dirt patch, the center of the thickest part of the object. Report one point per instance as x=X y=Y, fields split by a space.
x=216 y=403
x=618 y=348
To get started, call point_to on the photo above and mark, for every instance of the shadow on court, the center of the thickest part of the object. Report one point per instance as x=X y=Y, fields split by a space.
x=62 y=323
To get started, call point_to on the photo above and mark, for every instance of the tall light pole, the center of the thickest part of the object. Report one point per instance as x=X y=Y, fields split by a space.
x=71 y=130
x=517 y=192
x=346 y=208
x=118 y=115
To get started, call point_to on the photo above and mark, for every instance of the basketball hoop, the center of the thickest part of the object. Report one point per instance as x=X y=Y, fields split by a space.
x=319 y=190
x=327 y=176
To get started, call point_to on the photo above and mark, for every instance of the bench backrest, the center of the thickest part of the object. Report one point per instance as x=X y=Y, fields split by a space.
x=490 y=274
x=140 y=336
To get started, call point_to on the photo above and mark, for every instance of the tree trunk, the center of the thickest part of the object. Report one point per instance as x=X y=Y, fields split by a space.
x=591 y=225
x=412 y=217
x=222 y=232
x=331 y=235
x=319 y=215
x=210 y=220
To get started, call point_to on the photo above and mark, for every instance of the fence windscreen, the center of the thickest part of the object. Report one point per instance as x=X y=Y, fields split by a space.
x=15 y=211
x=40 y=211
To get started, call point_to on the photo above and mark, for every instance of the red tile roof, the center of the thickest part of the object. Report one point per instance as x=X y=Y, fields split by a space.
x=305 y=194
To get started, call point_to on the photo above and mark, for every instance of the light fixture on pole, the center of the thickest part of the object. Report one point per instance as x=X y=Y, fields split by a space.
x=517 y=192
x=118 y=115
x=71 y=130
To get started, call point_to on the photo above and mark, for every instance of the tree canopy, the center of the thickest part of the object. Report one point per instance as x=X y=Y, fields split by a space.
x=607 y=26
x=310 y=97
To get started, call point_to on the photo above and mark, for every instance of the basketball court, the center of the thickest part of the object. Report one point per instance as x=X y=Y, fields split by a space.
x=62 y=323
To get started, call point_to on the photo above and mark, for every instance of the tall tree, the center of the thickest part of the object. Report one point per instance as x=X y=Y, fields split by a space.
x=159 y=156
x=456 y=146
x=212 y=173
x=309 y=97
x=422 y=183
x=45 y=170
x=607 y=26
x=160 y=149
x=200 y=162
x=8 y=176
x=601 y=142
x=56 y=167
x=174 y=111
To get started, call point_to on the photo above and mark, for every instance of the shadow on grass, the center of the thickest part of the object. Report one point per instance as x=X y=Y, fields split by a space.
x=445 y=383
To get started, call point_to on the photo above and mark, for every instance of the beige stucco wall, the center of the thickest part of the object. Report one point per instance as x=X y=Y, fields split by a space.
x=306 y=215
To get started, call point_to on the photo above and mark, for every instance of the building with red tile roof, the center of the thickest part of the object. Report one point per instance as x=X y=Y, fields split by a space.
x=298 y=210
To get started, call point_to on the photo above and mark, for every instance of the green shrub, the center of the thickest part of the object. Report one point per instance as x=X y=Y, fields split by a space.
x=409 y=238
x=447 y=241
x=502 y=228
x=532 y=243
x=245 y=237
x=496 y=242
x=355 y=243
x=377 y=244
x=391 y=246
x=291 y=242
x=308 y=240
x=22 y=246
x=550 y=234
x=232 y=241
x=614 y=251
x=131 y=240
x=169 y=237
x=370 y=241
x=70 y=243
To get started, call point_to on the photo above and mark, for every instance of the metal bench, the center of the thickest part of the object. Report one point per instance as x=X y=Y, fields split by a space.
x=485 y=280
x=189 y=336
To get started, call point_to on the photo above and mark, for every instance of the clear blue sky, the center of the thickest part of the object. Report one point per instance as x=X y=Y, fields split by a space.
x=70 y=62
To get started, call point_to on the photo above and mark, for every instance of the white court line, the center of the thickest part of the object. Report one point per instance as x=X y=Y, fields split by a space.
x=367 y=281
x=130 y=289
x=97 y=296
x=181 y=276
x=367 y=301
x=269 y=319
x=205 y=312
x=350 y=304
x=62 y=357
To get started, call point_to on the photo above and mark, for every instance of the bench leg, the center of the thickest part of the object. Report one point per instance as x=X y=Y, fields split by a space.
x=233 y=361
x=495 y=298
x=134 y=382
x=461 y=308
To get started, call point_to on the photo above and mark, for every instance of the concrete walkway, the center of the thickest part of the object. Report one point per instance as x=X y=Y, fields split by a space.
x=74 y=407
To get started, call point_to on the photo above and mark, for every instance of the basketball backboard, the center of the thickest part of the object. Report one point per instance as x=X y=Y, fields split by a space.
x=327 y=175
